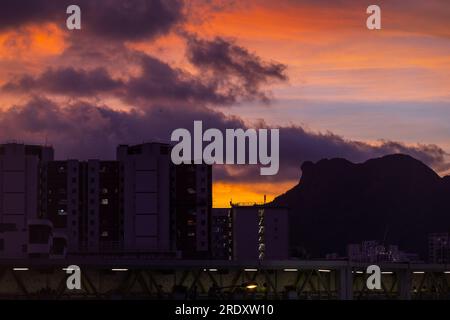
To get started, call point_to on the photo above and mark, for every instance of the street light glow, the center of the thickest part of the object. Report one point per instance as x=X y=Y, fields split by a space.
x=324 y=270
x=21 y=269
x=251 y=285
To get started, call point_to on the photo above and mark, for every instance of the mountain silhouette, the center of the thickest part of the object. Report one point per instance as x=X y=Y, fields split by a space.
x=395 y=199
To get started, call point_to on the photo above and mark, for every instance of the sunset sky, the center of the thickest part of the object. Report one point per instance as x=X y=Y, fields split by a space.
x=139 y=69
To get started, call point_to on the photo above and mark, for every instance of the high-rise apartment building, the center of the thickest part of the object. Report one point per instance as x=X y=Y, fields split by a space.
x=83 y=202
x=146 y=197
x=221 y=236
x=20 y=167
x=139 y=203
x=191 y=205
x=61 y=198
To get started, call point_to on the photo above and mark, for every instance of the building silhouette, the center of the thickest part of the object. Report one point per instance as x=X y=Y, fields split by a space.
x=221 y=234
x=20 y=186
x=83 y=200
x=438 y=247
x=146 y=197
x=138 y=204
x=373 y=251
x=192 y=205
x=259 y=232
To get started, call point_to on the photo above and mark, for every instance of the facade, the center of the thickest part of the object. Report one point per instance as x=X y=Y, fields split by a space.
x=107 y=187
x=146 y=197
x=374 y=252
x=19 y=194
x=61 y=198
x=82 y=201
x=438 y=248
x=191 y=205
x=221 y=236
x=259 y=232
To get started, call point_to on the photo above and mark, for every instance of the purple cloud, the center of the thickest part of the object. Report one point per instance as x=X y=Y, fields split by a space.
x=159 y=82
x=112 y=19
x=67 y=81
x=233 y=66
x=83 y=130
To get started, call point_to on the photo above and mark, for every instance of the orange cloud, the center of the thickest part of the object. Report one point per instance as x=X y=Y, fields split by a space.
x=291 y=17
x=26 y=51
x=31 y=42
x=332 y=56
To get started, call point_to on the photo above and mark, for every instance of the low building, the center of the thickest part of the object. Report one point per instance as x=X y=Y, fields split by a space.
x=259 y=232
x=438 y=248
x=374 y=252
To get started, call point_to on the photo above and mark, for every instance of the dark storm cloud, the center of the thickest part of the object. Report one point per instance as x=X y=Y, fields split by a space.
x=83 y=130
x=15 y=13
x=157 y=82
x=111 y=19
x=67 y=81
x=132 y=19
x=233 y=66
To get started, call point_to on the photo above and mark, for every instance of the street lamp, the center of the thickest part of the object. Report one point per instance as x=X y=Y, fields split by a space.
x=250 y=285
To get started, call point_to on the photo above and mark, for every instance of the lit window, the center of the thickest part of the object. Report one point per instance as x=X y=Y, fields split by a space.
x=105 y=201
x=104 y=234
x=62 y=212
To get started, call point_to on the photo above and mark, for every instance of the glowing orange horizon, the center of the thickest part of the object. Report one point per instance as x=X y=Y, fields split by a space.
x=224 y=192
